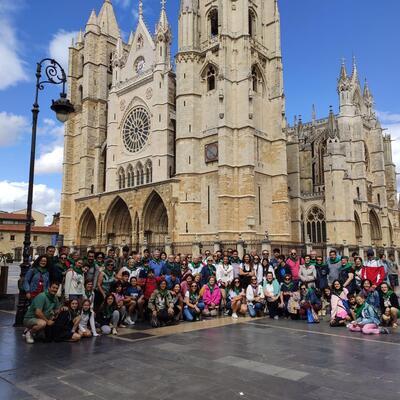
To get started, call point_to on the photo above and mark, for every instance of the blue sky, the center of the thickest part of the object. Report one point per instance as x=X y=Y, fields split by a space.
x=316 y=34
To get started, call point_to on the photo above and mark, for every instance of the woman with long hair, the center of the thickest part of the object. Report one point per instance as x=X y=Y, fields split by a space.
x=246 y=271
x=237 y=299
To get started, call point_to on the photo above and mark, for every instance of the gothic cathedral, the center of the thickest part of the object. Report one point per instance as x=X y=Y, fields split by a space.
x=201 y=154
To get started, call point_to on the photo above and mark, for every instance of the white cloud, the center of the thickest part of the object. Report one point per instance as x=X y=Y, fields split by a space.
x=58 y=47
x=12 y=127
x=388 y=117
x=14 y=195
x=51 y=151
x=11 y=64
x=51 y=162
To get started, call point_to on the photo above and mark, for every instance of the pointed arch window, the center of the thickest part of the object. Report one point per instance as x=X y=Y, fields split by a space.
x=130 y=176
x=213 y=22
x=316 y=225
x=358 y=227
x=121 y=178
x=110 y=68
x=375 y=226
x=149 y=172
x=256 y=80
x=252 y=23
x=211 y=79
x=140 y=42
x=139 y=174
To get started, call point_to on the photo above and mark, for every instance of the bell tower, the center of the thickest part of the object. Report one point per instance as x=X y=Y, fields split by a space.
x=231 y=148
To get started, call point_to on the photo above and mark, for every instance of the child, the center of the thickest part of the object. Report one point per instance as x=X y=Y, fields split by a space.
x=87 y=326
x=367 y=320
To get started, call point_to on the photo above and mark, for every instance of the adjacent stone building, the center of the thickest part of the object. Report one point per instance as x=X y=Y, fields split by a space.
x=201 y=155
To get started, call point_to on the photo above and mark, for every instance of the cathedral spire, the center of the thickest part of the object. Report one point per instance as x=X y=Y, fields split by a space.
x=163 y=22
x=107 y=20
x=343 y=71
x=354 y=75
x=140 y=9
x=313 y=113
x=92 y=24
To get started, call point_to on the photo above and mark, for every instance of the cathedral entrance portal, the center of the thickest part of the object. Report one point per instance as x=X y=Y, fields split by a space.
x=119 y=224
x=155 y=218
x=88 y=228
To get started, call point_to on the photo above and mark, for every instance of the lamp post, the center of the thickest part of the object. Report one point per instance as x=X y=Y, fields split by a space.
x=52 y=73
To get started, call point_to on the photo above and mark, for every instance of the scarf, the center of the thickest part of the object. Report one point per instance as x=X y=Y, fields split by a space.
x=77 y=270
x=210 y=271
x=88 y=294
x=334 y=260
x=108 y=273
x=237 y=291
x=41 y=270
x=193 y=297
x=211 y=288
x=308 y=264
x=387 y=295
x=346 y=267
x=163 y=293
x=359 y=310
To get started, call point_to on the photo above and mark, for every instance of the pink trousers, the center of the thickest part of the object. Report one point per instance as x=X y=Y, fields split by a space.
x=367 y=329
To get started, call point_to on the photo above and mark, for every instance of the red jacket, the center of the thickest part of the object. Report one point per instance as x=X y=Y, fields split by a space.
x=149 y=286
x=374 y=271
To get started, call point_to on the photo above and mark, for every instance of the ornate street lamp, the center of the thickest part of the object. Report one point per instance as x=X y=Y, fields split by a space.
x=53 y=74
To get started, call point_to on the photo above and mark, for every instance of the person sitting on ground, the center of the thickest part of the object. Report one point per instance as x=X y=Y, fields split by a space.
x=308 y=273
x=237 y=299
x=120 y=300
x=136 y=301
x=161 y=305
x=194 y=304
x=37 y=278
x=211 y=295
x=87 y=326
x=66 y=324
x=340 y=312
x=272 y=294
x=108 y=316
x=308 y=300
x=255 y=298
x=389 y=304
x=41 y=312
x=89 y=293
x=371 y=295
x=367 y=320
x=224 y=279
x=326 y=301
x=177 y=299
x=290 y=297
x=351 y=298
x=322 y=273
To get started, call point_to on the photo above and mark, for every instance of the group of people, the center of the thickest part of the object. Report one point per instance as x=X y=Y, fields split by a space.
x=70 y=297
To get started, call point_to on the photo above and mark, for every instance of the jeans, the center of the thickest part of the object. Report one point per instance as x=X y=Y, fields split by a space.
x=273 y=308
x=106 y=329
x=190 y=314
x=254 y=308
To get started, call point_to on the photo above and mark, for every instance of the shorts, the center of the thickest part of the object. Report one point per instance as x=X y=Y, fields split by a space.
x=30 y=322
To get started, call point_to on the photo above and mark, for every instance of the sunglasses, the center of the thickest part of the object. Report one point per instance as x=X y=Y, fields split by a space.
x=254 y=280
x=293 y=254
x=194 y=286
x=237 y=282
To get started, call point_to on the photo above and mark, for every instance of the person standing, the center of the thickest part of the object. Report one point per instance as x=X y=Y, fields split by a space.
x=37 y=278
x=294 y=263
x=308 y=273
x=334 y=263
x=373 y=270
x=393 y=272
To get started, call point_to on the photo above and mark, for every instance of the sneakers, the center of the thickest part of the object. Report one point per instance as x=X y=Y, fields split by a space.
x=234 y=316
x=114 y=331
x=29 y=338
x=276 y=317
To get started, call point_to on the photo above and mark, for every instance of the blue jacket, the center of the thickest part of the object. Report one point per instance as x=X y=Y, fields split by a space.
x=157 y=266
x=368 y=316
x=32 y=279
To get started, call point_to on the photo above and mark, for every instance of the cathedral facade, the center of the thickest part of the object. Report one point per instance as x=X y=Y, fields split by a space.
x=157 y=156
